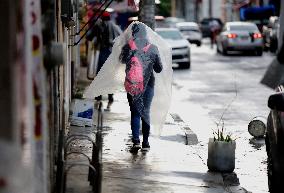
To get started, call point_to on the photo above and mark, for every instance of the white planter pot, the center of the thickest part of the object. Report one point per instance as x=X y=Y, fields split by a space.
x=221 y=156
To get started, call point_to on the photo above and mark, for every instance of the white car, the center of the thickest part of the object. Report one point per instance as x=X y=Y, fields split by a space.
x=191 y=32
x=180 y=46
x=172 y=21
x=240 y=36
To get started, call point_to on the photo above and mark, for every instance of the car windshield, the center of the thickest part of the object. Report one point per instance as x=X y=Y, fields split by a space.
x=207 y=21
x=189 y=28
x=250 y=28
x=174 y=35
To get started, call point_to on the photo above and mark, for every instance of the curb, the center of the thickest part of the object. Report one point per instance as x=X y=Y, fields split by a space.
x=190 y=136
x=230 y=180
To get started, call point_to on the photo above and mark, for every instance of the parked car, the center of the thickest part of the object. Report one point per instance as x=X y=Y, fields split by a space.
x=180 y=46
x=191 y=32
x=205 y=26
x=240 y=36
x=172 y=21
x=270 y=34
x=274 y=141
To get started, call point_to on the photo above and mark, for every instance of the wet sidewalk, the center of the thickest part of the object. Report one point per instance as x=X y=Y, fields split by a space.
x=170 y=166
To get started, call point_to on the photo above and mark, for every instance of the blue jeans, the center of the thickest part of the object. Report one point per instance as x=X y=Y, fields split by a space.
x=136 y=116
x=104 y=54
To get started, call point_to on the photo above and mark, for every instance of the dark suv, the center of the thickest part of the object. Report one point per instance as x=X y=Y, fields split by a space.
x=275 y=140
x=205 y=27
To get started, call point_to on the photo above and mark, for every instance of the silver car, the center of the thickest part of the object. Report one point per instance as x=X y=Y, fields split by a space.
x=191 y=32
x=180 y=46
x=240 y=36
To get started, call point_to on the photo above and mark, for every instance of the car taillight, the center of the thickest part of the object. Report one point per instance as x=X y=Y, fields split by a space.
x=257 y=35
x=232 y=36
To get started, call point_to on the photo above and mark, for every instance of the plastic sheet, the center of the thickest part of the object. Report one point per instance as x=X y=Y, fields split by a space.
x=111 y=77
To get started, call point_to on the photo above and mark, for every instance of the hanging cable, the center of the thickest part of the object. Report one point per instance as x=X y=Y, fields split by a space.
x=77 y=33
x=93 y=22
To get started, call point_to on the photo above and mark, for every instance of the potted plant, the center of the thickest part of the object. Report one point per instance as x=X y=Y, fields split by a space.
x=221 y=151
x=221 y=148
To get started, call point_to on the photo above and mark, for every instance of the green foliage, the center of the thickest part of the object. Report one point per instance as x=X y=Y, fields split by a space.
x=220 y=134
x=164 y=8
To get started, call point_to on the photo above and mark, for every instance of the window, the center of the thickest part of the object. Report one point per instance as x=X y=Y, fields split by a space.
x=174 y=35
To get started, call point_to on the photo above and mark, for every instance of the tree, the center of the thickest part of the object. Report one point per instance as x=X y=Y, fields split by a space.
x=147 y=12
x=164 y=8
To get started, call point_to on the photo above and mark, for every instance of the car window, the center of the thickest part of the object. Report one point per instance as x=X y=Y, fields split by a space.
x=250 y=28
x=189 y=28
x=207 y=21
x=174 y=35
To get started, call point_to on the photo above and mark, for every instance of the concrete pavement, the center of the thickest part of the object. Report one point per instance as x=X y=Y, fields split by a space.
x=170 y=166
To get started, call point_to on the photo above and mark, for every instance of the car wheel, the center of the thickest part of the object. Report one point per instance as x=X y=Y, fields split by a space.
x=184 y=65
x=274 y=182
x=198 y=44
x=259 y=52
x=222 y=49
x=275 y=171
x=224 y=52
x=269 y=164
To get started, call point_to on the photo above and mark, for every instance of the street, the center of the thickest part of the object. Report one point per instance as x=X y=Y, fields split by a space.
x=226 y=87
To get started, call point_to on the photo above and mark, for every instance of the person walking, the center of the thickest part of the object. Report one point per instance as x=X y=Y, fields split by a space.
x=140 y=64
x=214 y=29
x=139 y=51
x=104 y=33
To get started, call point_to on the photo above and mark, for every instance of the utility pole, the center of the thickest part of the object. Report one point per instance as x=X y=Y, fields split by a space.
x=173 y=9
x=147 y=12
x=196 y=10
x=210 y=8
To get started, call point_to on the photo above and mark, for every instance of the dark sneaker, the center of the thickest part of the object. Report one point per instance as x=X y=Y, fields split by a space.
x=110 y=99
x=145 y=147
x=135 y=148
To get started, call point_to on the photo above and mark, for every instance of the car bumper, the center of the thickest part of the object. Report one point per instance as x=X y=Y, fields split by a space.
x=239 y=46
x=180 y=55
x=193 y=38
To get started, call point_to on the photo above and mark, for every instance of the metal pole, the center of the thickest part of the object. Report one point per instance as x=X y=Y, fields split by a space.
x=173 y=9
x=210 y=8
x=196 y=10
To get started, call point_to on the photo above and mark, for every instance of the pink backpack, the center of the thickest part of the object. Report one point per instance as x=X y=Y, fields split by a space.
x=134 y=80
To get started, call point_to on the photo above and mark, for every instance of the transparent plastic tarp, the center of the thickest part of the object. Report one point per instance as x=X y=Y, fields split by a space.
x=111 y=77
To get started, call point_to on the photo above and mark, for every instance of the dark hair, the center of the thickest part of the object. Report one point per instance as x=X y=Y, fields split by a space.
x=138 y=30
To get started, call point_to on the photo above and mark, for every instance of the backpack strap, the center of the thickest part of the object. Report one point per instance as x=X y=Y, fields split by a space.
x=146 y=48
x=132 y=44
